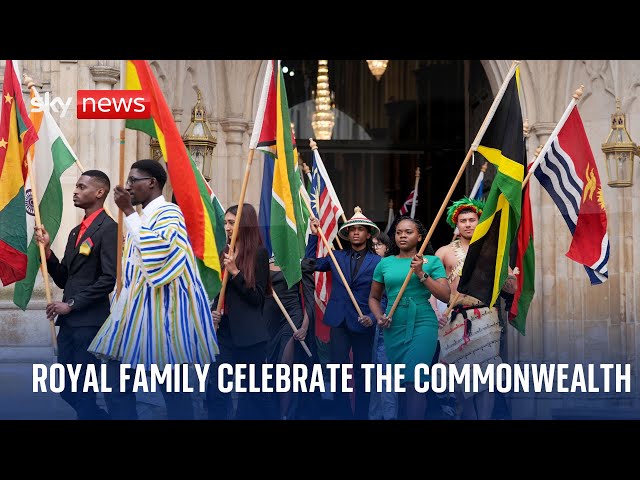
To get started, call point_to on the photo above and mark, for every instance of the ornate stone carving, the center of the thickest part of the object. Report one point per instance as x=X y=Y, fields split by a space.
x=234 y=128
x=105 y=74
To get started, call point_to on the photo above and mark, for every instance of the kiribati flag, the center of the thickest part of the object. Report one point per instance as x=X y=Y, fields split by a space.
x=569 y=173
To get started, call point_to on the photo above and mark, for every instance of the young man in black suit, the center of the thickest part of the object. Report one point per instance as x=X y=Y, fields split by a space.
x=87 y=273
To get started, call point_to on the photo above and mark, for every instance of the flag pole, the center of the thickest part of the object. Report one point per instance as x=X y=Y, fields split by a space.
x=43 y=256
x=236 y=225
x=286 y=315
x=576 y=96
x=415 y=193
x=120 y=219
x=390 y=216
x=335 y=262
x=120 y=244
x=472 y=148
x=479 y=179
x=36 y=207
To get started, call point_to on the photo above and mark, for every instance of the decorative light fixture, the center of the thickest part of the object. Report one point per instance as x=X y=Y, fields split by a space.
x=377 y=67
x=619 y=151
x=199 y=140
x=323 y=118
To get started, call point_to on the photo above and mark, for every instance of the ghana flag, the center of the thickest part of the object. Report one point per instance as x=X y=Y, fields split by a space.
x=487 y=263
x=202 y=212
x=16 y=137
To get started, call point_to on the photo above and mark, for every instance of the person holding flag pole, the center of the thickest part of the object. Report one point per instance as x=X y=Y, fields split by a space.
x=352 y=328
x=472 y=148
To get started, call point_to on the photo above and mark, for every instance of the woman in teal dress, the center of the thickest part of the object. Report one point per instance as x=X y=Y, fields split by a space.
x=411 y=336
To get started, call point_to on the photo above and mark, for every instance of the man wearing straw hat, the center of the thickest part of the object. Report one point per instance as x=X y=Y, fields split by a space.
x=349 y=330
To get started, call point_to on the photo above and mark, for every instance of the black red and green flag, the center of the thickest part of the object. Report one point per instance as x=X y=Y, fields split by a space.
x=486 y=266
x=525 y=262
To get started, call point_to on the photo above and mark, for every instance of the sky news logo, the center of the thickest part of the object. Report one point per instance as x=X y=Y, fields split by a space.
x=98 y=104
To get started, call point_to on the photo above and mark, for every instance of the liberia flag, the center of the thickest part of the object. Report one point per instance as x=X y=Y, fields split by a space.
x=569 y=173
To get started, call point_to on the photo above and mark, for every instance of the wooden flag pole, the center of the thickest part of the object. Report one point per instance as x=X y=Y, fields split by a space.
x=120 y=220
x=293 y=325
x=473 y=148
x=539 y=156
x=43 y=256
x=335 y=262
x=236 y=225
x=415 y=193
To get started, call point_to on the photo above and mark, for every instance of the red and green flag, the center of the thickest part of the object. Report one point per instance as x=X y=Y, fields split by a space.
x=17 y=134
x=525 y=262
x=202 y=212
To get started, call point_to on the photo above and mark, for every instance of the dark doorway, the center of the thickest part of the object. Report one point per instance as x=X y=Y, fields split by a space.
x=421 y=113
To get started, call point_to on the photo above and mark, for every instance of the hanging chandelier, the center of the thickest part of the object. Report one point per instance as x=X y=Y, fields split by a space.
x=377 y=67
x=323 y=118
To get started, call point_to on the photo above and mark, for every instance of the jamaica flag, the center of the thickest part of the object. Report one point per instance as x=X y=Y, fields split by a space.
x=487 y=263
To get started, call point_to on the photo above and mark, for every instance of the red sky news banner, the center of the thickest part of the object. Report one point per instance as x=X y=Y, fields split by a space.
x=112 y=104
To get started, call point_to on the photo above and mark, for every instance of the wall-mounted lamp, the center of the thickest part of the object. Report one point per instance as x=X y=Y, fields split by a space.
x=619 y=151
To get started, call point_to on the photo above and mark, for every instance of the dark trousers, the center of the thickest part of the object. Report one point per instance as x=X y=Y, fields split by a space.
x=361 y=344
x=122 y=405
x=72 y=349
x=251 y=405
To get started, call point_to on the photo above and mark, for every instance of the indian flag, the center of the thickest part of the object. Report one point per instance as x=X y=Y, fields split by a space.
x=52 y=155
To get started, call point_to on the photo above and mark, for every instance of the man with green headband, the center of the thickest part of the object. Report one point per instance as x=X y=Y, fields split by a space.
x=479 y=340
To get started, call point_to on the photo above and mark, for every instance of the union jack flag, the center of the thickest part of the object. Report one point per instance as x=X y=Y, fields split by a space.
x=406 y=208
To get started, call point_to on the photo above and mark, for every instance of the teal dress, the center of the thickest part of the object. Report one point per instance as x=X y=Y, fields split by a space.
x=413 y=335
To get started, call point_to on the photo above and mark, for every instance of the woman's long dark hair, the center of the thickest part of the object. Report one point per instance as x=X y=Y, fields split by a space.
x=248 y=241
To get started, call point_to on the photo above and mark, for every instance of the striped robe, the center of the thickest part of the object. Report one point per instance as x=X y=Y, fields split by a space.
x=162 y=315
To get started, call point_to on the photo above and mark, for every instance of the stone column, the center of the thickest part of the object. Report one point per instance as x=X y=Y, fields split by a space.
x=105 y=75
x=234 y=129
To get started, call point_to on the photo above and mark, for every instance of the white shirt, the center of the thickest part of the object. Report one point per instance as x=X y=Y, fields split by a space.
x=135 y=220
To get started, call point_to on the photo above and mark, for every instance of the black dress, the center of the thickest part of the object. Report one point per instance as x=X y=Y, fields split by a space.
x=280 y=332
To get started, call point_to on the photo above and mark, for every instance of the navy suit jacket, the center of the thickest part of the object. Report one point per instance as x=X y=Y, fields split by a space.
x=340 y=307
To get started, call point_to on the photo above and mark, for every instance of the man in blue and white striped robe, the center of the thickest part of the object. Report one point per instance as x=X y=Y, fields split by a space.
x=162 y=315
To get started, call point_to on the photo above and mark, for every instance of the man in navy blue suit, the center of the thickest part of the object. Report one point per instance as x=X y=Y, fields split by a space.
x=349 y=331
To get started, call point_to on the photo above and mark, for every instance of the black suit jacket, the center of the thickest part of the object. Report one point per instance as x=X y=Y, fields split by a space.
x=88 y=279
x=243 y=306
